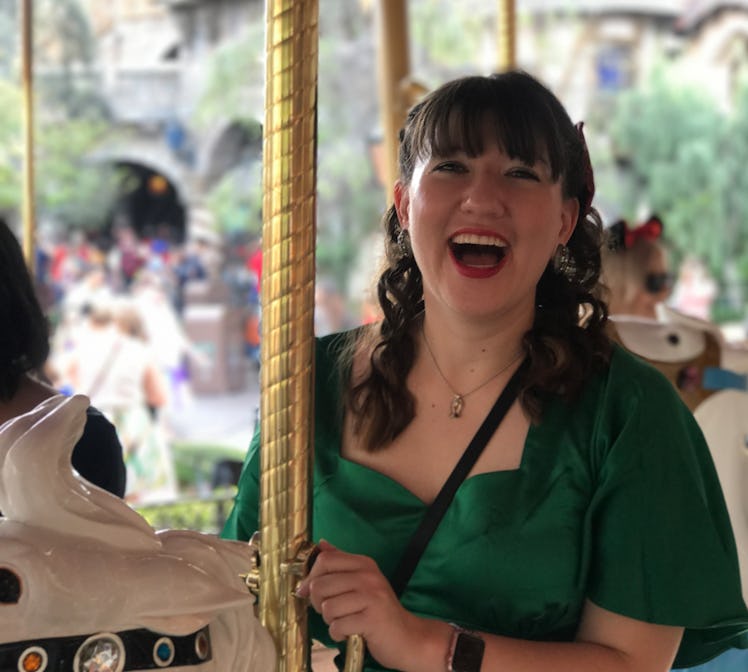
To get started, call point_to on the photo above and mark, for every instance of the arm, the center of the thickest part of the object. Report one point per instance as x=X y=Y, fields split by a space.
x=353 y=597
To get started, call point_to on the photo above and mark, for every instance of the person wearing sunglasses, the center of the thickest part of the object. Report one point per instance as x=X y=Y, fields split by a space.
x=635 y=268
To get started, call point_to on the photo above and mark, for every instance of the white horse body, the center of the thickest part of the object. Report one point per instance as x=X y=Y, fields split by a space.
x=83 y=562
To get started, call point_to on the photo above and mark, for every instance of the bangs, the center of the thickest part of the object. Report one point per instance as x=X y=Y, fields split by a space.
x=477 y=110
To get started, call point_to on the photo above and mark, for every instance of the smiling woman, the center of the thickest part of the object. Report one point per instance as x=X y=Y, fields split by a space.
x=583 y=527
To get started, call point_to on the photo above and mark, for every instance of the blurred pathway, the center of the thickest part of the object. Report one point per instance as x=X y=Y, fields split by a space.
x=226 y=419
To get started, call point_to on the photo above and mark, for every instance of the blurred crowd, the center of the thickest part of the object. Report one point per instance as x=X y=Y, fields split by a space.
x=119 y=314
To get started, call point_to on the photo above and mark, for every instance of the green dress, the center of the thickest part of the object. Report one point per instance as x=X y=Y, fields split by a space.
x=616 y=500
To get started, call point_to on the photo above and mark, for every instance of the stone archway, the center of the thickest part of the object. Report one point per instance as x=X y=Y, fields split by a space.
x=150 y=203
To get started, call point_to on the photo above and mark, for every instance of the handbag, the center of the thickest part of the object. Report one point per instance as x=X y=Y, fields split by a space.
x=434 y=514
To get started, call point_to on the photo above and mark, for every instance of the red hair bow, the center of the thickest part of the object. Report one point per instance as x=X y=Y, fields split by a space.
x=649 y=230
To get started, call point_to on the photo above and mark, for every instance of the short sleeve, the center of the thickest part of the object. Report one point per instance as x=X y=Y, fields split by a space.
x=243 y=521
x=662 y=545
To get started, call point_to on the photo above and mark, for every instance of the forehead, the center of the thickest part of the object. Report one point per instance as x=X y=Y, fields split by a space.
x=481 y=118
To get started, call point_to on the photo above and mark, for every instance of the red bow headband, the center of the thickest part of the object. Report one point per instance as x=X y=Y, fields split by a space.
x=625 y=237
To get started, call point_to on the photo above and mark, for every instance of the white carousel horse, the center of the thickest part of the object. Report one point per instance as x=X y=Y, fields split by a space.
x=86 y=585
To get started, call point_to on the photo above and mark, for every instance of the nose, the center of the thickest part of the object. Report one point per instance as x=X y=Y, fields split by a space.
x=483 y=195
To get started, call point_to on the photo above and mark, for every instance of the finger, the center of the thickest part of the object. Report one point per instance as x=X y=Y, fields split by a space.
x=345 y=626
x=325 y=545
x=332 y=585
x=340 y=606
x=332 y=560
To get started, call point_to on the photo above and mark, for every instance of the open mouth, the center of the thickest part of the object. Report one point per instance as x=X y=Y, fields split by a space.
x=477 y=251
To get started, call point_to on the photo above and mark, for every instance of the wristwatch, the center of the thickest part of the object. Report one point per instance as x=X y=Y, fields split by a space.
x=465 y=651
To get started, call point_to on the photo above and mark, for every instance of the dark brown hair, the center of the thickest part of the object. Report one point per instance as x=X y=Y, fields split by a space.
x=563 y=347
x=24 y=330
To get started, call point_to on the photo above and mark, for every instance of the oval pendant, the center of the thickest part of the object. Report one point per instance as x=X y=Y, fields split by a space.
x=455 y=409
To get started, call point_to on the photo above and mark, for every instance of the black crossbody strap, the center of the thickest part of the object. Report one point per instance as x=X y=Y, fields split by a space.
x=439 y=506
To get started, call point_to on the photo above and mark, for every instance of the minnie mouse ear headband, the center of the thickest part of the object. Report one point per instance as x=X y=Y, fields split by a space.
x=588 y=188
x=622 y=237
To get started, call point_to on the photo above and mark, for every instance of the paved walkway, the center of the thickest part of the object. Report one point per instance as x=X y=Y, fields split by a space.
x=226 y=419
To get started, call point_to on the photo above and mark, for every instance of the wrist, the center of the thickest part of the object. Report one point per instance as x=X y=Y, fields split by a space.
x=466 y=650
x=428 y=647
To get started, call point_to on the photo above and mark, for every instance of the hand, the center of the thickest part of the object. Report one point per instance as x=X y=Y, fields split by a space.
x=353 y=597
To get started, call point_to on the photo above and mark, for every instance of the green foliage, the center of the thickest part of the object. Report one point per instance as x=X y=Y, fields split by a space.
x=236 y=200
x=684 y=159
x=68 y=119
x=234 y=83
x=207 y=514
x=443 y=42
x=71 y=189
x=350 y=201
x=194 y=463
x=11 y=146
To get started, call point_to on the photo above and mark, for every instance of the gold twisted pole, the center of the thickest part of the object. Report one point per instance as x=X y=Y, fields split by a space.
x=286 y=380
x=507 y=27
x=27 y=77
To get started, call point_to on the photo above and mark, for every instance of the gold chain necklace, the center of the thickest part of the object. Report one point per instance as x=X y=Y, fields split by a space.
x=458 y=399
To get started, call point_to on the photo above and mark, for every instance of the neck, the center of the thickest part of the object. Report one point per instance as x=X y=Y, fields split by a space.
x=467 y=357
x=30 y=393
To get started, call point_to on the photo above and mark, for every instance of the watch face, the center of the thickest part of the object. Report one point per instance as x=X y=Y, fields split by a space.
x=468 y=653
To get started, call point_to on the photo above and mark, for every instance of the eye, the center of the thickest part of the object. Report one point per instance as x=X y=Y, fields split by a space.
x=524 y=173
x=449 y=166
x=10 y=587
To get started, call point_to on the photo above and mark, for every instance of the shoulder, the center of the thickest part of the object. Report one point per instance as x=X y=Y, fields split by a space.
x=334 y=352
x=627 y=402
x=630 y=381
x=100 y=435
x=97 y=455
x=97 y=422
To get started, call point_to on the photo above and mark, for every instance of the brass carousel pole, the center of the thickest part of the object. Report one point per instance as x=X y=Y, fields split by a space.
x=507 y=43
x=393 y=72
x=27 y=77
x=286 y=381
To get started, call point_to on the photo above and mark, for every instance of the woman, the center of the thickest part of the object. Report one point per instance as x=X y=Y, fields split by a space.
x=635 y=269
x=112 y=364
x=564 y=548
x=24 y=348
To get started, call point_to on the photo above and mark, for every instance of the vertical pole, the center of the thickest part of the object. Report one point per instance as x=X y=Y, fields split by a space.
x=393 y=70
x=287 y=296
x=27 y=83
x=507 y=28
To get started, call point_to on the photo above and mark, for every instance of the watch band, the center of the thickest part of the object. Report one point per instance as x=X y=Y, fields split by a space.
x=465 y=650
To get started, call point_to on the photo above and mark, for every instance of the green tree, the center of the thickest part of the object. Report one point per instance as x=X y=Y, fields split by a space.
x=683 y=157
x=11 y=149
x=734 y=156
x=69 y=117
x=668 y=138
x=349 y=202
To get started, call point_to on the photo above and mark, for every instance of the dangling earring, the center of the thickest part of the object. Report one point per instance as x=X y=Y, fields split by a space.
x=563 y=263
x=403 y=242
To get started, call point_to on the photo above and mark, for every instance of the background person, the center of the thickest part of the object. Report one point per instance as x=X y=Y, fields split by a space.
x=636 y=268
x=591 y=533
x=24 y=348
x=119 y=373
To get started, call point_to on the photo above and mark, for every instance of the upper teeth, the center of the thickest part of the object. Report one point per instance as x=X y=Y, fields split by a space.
x=476 y=239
